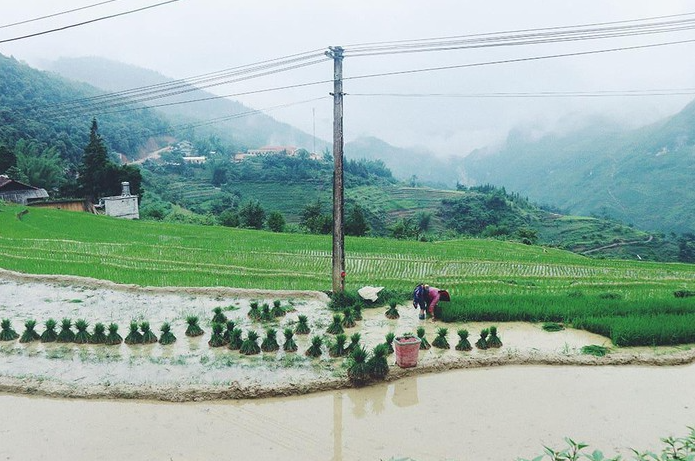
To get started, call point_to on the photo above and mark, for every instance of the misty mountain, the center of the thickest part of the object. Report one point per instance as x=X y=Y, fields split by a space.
x=640 y=176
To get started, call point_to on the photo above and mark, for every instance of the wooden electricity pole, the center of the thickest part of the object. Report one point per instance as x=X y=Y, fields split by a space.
x=338 y=273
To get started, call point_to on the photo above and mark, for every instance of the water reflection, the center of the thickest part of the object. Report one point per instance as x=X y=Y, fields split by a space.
x=405 y=393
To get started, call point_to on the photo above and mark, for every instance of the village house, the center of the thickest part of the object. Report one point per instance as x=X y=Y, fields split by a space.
x=18 y=192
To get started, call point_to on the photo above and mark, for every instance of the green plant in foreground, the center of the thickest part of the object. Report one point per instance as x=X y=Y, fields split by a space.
x=302 y=325
x=553 y=326
x=148 y=337
x=277 y=309
x=218 y=316
x=167 y=337
x=66 y=335
x=254 y=312
x=463 y=344
x=481 y=343
x=337 y=349
x=357 y=310
x=266 y=315
x=193 y=328
x=315 y=348
x=6 y=332
x=354 y=343
x=336 y=328
x=250 y=345
x=133 y=336
x=216 y=339
x=348 y=318
x=290 y=345
x=82 y=336
x=392 y=311
x=358 y=370
x=424 y=344
x=440 y=341
x=390 y=336
x=596 y=350
x=49 y=335
x=113 y=338
x=29 y=334
x=227 y=336
x=270 y=342
x=377 y=363
x=235 y=340
x=494 y=340
x=99 y=335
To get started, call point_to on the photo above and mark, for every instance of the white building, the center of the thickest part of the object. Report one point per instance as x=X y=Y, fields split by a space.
x=122 y=206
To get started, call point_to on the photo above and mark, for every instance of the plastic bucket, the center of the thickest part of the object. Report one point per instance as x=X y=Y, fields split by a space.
x=407 y=350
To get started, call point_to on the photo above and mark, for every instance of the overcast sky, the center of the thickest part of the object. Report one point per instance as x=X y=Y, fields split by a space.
x=196 y=36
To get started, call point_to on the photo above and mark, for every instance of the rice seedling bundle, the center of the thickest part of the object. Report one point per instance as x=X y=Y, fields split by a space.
x=494 y=341
x=594 y=349
x=219 y=316
x=99 y=335
x=315 y=348
x=266 y=315
x=66 y=335
x=235 y=340
x=193 y=328
x=552 y=326
x=290 y=345
x=133 y=336
x=254 y=312
x=377 y=364
x=29 y=333
x=216 y=339
x=113 y=337
x=49 y=335
x=302 y=325
x=148 y=337
x=358 y=370
x=167 y=337
x=336 y=328
x=277 y=309
x=250 y=345
x=424 y=344
x=354 y=343
x=389 y=342
x=463 y=344
x=82 y=336
x=270 y=342
x=481 y=343
x=337 y=349
x=440 y=341
x=348 y=318
x=392 y=311
x=227 y=336
x=6 y=331
x=357 y=310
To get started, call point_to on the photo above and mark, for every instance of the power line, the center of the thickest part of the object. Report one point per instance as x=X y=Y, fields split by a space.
x=26 y=21
x=541 y=94
x=102 y=18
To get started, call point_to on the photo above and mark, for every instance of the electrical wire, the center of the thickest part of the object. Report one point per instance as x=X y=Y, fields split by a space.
x=26 y=21
x=541 y=94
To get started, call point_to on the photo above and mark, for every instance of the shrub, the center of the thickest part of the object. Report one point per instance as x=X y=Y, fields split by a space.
x=314 y=350
x=440 y=341
x=193 y=328
x=424 y=344
x=336 y=328
x=290 y=345
x=463 y=344
x=377 y=365
x=358 y=370
x=82 y=336
x=337 y=349
x=167 y=337
x=49 y=335
x=133 y=336
x=235 y=341
x=389 y=342
x=481 y=343
x=302 y=325
x=494 y=341
x=250 y=345
x=392 y=312
x=113 y=337
x=66 y=335
x=216 y=339
x=29 y=334
x=219 y=316
x=270 y=342
x=99 y=335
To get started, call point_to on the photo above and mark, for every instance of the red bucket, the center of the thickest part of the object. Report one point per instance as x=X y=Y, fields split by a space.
x=407 y=349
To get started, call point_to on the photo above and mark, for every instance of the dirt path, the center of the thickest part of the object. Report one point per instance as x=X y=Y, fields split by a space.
x=619 y=244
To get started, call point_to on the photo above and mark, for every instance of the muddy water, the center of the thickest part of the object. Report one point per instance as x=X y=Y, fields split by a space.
x=477 y=414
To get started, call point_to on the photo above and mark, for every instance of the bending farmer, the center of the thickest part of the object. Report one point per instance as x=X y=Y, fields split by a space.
x=426 y=298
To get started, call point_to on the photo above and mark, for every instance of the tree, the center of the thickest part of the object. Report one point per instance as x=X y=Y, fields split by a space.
x=229 y=218
x=315 y=221
x=252 y=215
x=423 y=220
x=7 y=158
x=404 y=229
x=356 y=223
x=94 y=171
x=276 y=222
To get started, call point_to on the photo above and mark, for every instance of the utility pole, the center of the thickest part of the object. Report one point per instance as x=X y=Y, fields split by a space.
x=338 y=273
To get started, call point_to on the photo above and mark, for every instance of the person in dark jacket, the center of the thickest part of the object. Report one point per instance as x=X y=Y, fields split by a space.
x=421 y=299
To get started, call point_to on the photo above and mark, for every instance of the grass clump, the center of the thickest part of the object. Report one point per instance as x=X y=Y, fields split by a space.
x=358 y=370
x=481 y=343
x=227 y=336
x=167 y=337
x=337 y=349
x=348 y=318
x=314 y=350
x=270 y=342
x=336 y=327
x=218 y=316
x=133 y=336
x=113 y=337
x=254 y=311
x=216 y=339
x=82 y=336
x=29 y=334
x=595 y=350
x=148 y=337
x=266 y=315
x=440 y=341
x=553 y=326
x=250 y=345
x=424 y=344
x=277 y=309
x=99 y=334
x=354 y=343
x=290 y=345
x=235 y=340
x=49 y=335
x=377 y=364
x=494 y=341
x=357 y=312
x=390 y=336
x=392 y=311
x=463 y=344
x=302 y=325
x=66 y=335
x=193 y=328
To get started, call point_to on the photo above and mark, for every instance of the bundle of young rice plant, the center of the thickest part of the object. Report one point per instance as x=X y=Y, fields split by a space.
x=270 y=342
x=358 y=371
x=440 y=341
x=235 y=340
x=377 y=363
x=193 y=328
x=290 y=345
x=302 y=326
x=481 y=343
x=389 y=342
x=218 y=316
x=354 y=343
x=113 y=337
x=348 y=318
x=392 y=311
x=277 y=309
x=133 y=336
x=424 y=344
x=315 y=348
x=216 y=339
x=6 y=331
x=463 y=344
x=148 y=337
x=167 y=337
x=494 y=340
x=66 y=335
x=336 y=328
x=250 y=345
x=29 y=334
x=337 y=349
x=266 y=315
x=552 y=326
x=49 y=335
x=82 y=336
x=227 y=336
x=595 y=349
x=99 y=335
x=254 y=312
x=357 y=311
